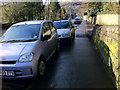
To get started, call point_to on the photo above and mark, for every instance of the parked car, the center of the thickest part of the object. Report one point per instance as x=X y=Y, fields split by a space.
x=26 y=47
x=65 y=29
x=69 y=18
x=77 y=21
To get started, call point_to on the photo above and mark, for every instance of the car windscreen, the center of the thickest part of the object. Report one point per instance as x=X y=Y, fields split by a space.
x=77 y=19
x=22 y=32
x=60 y=25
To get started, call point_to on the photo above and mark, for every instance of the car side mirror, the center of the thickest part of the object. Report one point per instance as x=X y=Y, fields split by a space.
x=46 y=37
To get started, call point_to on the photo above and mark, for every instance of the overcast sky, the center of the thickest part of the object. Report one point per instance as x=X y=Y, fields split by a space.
x=59 y=0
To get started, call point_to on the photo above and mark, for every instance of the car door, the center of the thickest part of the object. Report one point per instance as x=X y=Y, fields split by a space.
x=54 y=35
x=46 y=44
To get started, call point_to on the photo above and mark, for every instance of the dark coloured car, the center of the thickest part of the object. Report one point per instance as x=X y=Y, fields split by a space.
x=78 y=21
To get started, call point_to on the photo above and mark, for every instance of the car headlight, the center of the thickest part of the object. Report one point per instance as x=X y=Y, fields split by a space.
x=26 y=57
x=67 y=34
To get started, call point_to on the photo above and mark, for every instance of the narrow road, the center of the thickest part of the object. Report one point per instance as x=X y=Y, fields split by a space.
x=77 y=66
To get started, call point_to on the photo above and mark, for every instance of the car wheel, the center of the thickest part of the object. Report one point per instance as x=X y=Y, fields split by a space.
x=74 y=37
x=41 y=68
x=71 y=39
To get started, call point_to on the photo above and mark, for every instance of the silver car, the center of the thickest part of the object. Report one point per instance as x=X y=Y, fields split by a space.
x=65 y=29
x=26 y=47
x=77 y=21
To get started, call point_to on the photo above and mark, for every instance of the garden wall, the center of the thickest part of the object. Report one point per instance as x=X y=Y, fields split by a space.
x=106 y=40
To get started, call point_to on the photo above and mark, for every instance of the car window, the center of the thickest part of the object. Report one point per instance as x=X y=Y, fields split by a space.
x=77 y=19
x=46 y=29
x=52 y=27
x=62 y=24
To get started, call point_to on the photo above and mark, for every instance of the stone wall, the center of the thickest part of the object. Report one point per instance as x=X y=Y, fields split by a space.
x=105 y=19
x=106 y=40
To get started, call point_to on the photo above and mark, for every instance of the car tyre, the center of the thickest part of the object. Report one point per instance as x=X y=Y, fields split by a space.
x=41 y=68
x=74 y=37
x=71 y=40
x=57 y=49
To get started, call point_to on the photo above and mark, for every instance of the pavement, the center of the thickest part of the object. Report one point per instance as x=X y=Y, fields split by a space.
x=77 y=66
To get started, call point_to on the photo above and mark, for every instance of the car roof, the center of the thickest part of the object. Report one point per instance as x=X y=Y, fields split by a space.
x=31 y=22
x=77 y=18
x=61 y=21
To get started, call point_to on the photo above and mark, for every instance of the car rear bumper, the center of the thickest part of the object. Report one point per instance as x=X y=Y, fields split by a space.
x=65 y=40
x=64 y=37
x=77 y=22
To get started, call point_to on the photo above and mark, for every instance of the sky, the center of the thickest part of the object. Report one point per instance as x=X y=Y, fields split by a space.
x=86 y=0
x=60 y=0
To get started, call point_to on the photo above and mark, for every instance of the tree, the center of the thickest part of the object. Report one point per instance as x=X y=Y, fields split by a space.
x=96 y=8
x=22 y=11
x=54 y=10
x=63 y=12
x=25 y=11
x=103 y=8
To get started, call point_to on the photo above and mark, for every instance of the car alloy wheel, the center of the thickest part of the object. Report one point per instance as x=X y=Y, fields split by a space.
x=57 y=49
x=41 y=68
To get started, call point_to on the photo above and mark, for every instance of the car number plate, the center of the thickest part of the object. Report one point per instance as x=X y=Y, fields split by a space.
x=7 y=73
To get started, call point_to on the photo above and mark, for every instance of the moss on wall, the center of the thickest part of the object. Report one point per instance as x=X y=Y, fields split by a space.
x=107 y=42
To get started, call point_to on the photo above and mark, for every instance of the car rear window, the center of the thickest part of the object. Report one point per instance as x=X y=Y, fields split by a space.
x=62 y=24
x=77 y=19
